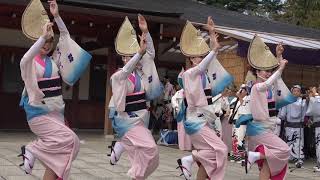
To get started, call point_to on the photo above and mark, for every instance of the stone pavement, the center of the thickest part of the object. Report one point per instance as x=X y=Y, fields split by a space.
x=92 y=162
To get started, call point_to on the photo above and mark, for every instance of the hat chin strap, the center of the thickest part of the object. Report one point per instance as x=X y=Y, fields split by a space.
x=262 y=77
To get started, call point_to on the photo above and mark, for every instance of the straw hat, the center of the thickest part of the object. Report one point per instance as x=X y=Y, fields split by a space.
x=192 y=44
x=259 y=55
x=33 y=19
x=126 y=41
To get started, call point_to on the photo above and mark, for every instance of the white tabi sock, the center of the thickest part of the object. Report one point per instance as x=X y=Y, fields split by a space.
x=187 y=162
x=253 y=157
x=28 y=161
x=116 y=154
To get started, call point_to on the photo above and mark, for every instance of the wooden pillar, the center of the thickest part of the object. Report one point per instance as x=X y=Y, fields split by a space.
x=1 y=68
x=111 y=68
x=74 y=106
x=156 y=41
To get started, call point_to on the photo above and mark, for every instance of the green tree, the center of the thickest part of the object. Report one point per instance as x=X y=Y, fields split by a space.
x=301 y=12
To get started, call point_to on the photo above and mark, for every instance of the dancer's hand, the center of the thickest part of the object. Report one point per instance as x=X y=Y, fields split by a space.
x=143 y=24
x=210 y=26
x=143 y=44
x=47 y=30
x=54 y=8
x=279 y=50
x=214 y=44
x=282 y=64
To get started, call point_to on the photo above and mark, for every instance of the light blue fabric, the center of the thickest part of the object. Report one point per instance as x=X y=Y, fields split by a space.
x=78 y=68
x=137 y=86
x=181 y=115
x=32 y=111
x=204 y=80
x=243 y=120
x=285 y=101
x=253 y=127
x=223 y=82
x=121 y=126
x=48 y=68
x=192 y=127
x=154 y=92
x=269 y=94
x=180 y=82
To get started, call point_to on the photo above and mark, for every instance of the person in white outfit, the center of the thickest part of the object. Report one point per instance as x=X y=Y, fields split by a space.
x=294 y=115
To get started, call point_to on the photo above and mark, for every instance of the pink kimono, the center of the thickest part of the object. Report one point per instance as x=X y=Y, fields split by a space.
x=260 y=135
x=57 y=145
x=210 y=151
x=131 y=88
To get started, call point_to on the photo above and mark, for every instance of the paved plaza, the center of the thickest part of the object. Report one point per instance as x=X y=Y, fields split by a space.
x=92 y=162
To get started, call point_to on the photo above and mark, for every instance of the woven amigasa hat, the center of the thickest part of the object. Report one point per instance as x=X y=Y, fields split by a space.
x=126 y=42
x=192 y=44
x=33 y=19
x=259 y=55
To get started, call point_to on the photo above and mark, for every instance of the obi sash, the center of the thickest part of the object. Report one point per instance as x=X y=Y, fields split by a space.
x=50 y=86
x=135 y=102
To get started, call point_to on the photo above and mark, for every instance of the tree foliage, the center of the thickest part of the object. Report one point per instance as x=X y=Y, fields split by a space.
x=300 y=12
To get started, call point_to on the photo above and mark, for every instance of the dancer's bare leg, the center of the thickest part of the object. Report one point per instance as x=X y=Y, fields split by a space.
x=49 y=175
x=202 y=174
x=265 y=171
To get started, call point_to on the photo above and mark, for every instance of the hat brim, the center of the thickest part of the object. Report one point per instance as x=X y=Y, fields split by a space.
x=259 y=58
x=188 y=40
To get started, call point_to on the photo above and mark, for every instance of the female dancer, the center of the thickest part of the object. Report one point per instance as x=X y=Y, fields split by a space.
x=57 y=145
x=133 y=85
x=269 y=151
x=198 y=82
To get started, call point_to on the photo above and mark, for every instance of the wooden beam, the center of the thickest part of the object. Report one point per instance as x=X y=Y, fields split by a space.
x=14 y=5
x=172 y=45
x=171 y=31
x=9 y=22
x=76 y=29
x=170 y=65
x=77 y=20
x=120 y=15
x=12 y=49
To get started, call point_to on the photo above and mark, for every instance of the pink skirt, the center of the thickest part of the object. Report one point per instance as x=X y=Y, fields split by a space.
x=227 y=133
x=183 y=138
x=57 y=145
x=276 y=151
x=210 y=152
x=142 y=151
